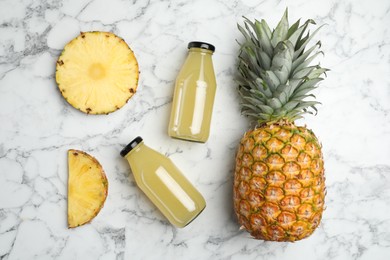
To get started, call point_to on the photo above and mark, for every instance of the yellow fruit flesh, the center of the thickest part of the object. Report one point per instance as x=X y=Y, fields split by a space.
x=87 y=188
x=97 y=72
x=279 y=184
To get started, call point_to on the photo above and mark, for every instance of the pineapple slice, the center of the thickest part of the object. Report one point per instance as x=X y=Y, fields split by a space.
x=97 y=72
x=87 y=188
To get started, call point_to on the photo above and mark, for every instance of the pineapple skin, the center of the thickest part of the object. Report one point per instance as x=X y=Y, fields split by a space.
x=279 y=182
x=77 y=218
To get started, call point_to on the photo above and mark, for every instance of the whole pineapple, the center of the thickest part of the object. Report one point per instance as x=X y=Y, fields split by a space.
x=279 y=183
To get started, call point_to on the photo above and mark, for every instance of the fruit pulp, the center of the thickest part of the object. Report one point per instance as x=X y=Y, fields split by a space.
x=193 y=99
x=165 y=185
x=87 y=188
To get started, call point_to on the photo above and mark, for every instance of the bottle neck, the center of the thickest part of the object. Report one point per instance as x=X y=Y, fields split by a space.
x=142 y=156
x=200 y=50
x=135 y=150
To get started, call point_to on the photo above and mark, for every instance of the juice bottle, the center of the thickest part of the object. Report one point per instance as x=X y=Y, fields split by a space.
x=163 y=183
x=194 y=94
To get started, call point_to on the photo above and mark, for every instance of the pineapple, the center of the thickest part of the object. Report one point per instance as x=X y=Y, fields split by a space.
x=279 y=183
x=87 y=188
x=97 y=72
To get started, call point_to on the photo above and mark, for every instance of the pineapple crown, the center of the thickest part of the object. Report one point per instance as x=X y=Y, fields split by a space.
x=275 y=71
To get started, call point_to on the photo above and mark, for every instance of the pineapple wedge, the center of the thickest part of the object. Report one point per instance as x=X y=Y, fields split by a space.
x=87 y=188
x=97 y=72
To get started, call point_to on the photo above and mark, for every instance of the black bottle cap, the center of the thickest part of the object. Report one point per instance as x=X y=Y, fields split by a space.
x=202 y=45
x=131 y=146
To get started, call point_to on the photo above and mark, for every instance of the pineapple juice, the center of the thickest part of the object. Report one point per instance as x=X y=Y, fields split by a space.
x=164 y=184
x=194 y=94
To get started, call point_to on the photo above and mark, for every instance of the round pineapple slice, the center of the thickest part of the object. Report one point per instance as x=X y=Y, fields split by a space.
x=97 y=72
x=87 y=188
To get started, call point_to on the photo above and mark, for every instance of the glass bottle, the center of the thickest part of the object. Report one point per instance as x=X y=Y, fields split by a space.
x=163 y=183
x=194 y=94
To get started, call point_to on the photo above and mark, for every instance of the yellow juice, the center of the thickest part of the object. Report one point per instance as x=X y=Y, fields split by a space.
x=164 y=184
x=194 y=95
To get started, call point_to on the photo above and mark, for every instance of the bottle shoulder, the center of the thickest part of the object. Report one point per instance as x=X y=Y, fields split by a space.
x=146 y=156
x=195 y=68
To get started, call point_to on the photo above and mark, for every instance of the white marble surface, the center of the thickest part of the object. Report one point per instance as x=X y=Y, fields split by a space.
x=37 y=127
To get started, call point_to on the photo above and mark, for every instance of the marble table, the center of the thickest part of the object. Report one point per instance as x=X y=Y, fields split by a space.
x=37 y=127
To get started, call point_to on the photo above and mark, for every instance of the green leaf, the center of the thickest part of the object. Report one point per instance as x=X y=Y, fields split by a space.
x=281 y=30
x=257 y=88
x=281 y=88
x=266 y=28
x=241 y=83
x=264 y=39
x=264 y=59
x=244 y=32
x=306 y=54
x=254 y=101
x=252 y=36
x=317 y=72
x=252 y=76
x=283 y=97
x=306 y=104
x=270 y=79
x=293 y=28
x=248 y=113
x=252 y=85
x=279 y=113
x=262 y=86
x=282 y=73
x=282 y=93
x=249 y=22
x=250 y=107
x=303 y=73
x=296 y=36
x=283 y=54
x=306 y=62
x=246 y=106
x=314 y=108
x=309 y=83
x=254 y=66
x=304 y=42
x=266 y=109
x=302 y=97
x=301 y=92
x=274 y=103
x=266 y=117
x=296 y=117
x=290 y=105
x=282 y=60
x=264 y=91
x=293 y=84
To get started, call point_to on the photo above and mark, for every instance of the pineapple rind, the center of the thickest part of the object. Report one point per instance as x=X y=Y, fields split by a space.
x=87 y=188
x=289 y=168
